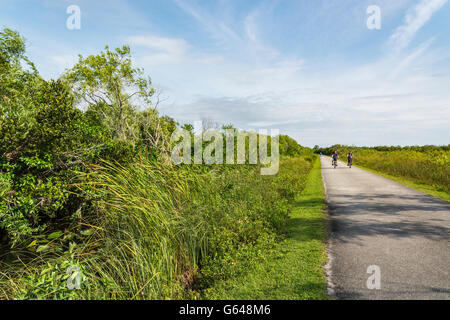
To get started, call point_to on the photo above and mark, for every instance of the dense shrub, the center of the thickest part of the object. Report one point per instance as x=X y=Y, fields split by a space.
x=167 y=229
x=38 y=159
x=45 y=141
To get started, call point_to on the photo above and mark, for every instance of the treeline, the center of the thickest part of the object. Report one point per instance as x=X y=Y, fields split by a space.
x=86 y=180
x=344 y=149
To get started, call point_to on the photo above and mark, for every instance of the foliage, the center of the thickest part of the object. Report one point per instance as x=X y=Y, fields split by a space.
x=167 y=230
x=84 y=181
x=45 y=139
x=108 y=83
x=40 y=146
x=291 y=268
x=50 y=281
x=289 y=147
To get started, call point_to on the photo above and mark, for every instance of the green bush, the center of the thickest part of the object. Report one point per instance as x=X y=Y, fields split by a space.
x=167 y=232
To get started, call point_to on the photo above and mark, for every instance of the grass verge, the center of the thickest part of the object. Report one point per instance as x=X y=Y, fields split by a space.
x=425 y=188
x=293 y=268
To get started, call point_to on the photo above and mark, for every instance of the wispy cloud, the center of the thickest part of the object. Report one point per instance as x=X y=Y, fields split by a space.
x=304 y=67
x=162 y=49
x=405 y=62
x=413 y=21
x=64 y=61
x=222 y=33
x=264 y=86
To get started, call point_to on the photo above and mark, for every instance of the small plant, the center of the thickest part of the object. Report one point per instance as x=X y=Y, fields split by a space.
x=50 y=281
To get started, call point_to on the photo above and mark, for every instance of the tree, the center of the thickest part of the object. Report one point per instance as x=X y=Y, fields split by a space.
x=44 y=139
x=14 y=80
x=188 y=127
x=110 y=84
x=228 y=127
x=18 y=87
x=289 y=147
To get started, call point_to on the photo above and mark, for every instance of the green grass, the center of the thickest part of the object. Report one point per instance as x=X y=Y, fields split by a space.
x=292 y=269
x=162 y=232
x=425 y=188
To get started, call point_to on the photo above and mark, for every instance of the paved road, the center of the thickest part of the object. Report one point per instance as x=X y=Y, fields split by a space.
x=377 y=222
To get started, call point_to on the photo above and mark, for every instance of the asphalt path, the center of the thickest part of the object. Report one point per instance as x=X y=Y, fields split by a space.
x=386 y=241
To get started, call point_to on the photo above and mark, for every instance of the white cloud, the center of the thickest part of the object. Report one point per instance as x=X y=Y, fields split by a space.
x=414 y=20
x=63 y=61
x=411 y=57
x=219 y=31
x=260 y=86
x=163 y=49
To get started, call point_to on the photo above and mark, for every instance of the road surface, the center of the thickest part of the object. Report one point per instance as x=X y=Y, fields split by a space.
x=402 y=233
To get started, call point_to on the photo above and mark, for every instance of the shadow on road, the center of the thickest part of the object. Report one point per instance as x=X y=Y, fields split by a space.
x=388 y=215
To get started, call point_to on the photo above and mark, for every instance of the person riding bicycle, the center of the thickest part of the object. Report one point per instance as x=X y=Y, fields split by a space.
x=334 y=156
x=350 y=158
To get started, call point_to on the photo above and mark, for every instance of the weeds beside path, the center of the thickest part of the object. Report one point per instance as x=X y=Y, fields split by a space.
x=294 y=268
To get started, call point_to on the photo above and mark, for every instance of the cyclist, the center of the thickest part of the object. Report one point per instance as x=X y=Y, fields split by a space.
x=335 y=157
x=350 y=158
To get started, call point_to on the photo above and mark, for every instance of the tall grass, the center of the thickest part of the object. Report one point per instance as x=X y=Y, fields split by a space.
x=170 y=227
x=150 y=242
x=163 y=232
x=430 y=168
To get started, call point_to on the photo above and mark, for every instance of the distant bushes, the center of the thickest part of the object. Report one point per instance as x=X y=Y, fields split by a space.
x=431 y=168
x=290 y=148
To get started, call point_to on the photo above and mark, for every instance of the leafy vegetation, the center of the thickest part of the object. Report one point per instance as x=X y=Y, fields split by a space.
x=292 y=268
x=160 y=233
x=86 y=181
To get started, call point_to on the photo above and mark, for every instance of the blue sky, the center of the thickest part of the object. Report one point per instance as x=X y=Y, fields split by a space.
x=311 y=69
